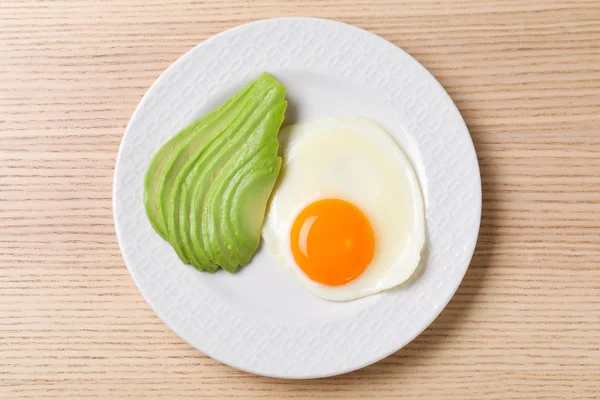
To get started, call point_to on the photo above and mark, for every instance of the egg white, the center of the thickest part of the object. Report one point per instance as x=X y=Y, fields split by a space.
x=352 y=159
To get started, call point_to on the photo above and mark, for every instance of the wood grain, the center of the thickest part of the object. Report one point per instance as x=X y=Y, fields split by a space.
x=524 y=324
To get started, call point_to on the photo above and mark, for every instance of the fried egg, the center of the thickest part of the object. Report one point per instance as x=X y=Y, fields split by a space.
x=347 y=216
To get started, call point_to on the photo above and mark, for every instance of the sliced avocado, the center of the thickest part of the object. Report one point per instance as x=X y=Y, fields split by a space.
x=201 y=178
x=268 y=126
x=260 y=149
x=263 y=137
x=183 y=162
x=206 y=166
x=196 y=183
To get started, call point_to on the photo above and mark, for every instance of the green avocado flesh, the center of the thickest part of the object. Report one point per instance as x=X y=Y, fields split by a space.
x=206 y=189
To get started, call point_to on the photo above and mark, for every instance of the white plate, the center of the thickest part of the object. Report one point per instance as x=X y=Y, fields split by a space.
x=260 y=319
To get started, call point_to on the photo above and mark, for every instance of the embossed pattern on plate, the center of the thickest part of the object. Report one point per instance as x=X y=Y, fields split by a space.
x=420 y=116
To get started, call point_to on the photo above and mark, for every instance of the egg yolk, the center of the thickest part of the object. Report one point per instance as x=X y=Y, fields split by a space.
x=332 y=241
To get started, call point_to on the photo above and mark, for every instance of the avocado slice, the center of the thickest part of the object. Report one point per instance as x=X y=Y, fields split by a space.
x=260 y=149
x=242 y=242
x=249 y=206
x=225 y=234
x=201 y=180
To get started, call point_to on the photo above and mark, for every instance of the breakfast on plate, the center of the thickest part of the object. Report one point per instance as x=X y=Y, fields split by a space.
x=345 y=213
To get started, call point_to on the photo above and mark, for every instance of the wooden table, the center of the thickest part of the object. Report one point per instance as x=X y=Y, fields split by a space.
x=525 y=322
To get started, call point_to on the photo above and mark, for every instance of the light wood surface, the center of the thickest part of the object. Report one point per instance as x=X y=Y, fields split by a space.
x=525 y=322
